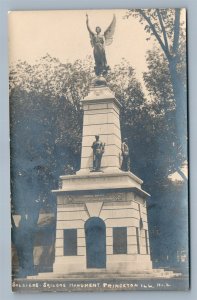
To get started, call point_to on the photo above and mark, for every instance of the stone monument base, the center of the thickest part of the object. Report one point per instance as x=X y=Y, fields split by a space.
x=116 y=264
x=105 y=215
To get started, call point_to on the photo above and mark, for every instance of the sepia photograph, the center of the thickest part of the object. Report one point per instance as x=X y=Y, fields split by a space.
x=99 y=150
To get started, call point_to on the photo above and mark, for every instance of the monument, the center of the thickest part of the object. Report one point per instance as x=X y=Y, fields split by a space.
x=101 y=211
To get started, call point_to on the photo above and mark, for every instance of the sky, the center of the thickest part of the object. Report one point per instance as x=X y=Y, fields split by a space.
x=63 y=34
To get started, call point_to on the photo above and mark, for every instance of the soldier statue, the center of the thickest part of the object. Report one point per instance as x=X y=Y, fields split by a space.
x=98 y=150
x=125 y=156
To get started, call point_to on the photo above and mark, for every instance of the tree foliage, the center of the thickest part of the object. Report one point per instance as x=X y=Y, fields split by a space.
x=168 y=29
x=158 y=83
x=166 y=82
x=45 y=129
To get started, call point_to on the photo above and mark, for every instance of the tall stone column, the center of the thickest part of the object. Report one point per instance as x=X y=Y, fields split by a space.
x=101 y=117
x=110 y=197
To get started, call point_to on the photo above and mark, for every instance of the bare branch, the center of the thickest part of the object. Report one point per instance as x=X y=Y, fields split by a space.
x=163 y=31
x=152 y=27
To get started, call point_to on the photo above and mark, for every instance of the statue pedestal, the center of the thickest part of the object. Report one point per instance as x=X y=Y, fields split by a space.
x=116 y=202
x=101 y=216
x=101 y=117
x=101 y=181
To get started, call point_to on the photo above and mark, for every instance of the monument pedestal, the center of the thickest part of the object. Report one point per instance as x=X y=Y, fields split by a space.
x=101 y=216
x=102 y=226
x=101 y=117
x=112 y=204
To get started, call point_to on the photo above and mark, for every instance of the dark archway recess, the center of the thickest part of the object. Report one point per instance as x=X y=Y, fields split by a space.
x=95 y=232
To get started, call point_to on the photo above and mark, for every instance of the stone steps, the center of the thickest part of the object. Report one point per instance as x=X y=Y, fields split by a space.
x=104 y=274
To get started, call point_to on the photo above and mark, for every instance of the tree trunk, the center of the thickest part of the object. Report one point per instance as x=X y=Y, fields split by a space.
x=180 y=97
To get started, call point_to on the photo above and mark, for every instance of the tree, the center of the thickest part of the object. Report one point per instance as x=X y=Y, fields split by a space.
x=46 y=129
x=159 y=86
x=167 y=28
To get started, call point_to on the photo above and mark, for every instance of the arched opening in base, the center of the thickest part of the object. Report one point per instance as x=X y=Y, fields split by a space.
x=95 y=233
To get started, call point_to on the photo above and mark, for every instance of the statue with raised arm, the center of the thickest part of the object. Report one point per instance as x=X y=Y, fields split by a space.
x=98 y=42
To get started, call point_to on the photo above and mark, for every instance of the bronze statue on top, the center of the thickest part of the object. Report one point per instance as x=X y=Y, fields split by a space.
x=98 y=150
x=125 y=156
x=98 y=42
